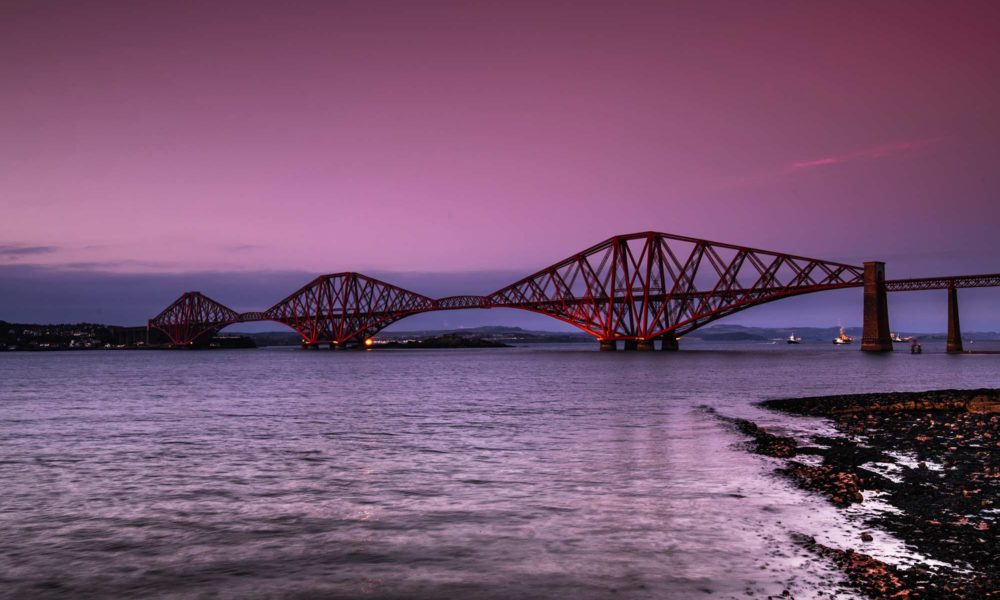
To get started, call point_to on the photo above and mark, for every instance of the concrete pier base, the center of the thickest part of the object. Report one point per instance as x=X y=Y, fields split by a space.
x=954 y=327
x=668 y=343
x=631 y=345
x=644 y=345
x=608 y=345
x=875 y=335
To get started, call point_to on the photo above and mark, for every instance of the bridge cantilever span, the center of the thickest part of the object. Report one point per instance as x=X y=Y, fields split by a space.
x=633 y=288
x=346 y=308
x=191 y=317
x=644 y=286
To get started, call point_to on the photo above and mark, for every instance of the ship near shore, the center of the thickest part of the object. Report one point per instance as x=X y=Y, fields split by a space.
x=842 y=338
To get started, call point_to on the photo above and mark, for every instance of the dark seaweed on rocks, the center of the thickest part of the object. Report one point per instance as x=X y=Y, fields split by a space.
x=871 y=576
x=978 y=401
x=767 y=443
x=842 y=488
x=949 y=494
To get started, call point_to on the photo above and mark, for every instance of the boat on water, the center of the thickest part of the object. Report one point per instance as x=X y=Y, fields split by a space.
x=895 y=337
x=794 y=340
x=843 y=338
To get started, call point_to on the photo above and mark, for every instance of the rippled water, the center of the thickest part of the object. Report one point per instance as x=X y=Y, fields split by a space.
x=528 y=472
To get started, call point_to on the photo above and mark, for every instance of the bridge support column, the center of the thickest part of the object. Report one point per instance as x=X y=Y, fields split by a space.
x=644 y=345
x=631 y=345
x=954 y=328
x=875 y=335
x=668 y=343
x=608 y=345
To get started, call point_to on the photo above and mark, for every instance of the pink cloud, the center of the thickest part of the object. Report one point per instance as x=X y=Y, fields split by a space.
x=872 y=153
x=882 y=151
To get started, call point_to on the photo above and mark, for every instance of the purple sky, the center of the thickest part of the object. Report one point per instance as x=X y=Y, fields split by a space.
x=448 y=137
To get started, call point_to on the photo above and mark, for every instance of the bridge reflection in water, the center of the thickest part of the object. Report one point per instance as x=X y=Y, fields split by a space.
x=637 y=289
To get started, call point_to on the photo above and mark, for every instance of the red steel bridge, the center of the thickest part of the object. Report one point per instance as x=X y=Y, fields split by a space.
x=636 y=289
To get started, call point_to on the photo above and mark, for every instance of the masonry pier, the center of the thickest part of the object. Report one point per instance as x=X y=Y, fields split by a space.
x=875 y=334
x=954 y=328
x=668 y=343
x=608 y=345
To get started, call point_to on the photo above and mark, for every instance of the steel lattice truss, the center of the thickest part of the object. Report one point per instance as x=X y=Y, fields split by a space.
x=192 y=316
x=641 y=286
x=457 y=302
x=942 y=283
x=346 y=307
x=630 y=287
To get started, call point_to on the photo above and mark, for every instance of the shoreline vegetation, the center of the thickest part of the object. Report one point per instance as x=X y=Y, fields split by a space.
x=933 y=457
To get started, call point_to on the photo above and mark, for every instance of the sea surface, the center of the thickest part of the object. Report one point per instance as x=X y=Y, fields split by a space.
x=541 y=471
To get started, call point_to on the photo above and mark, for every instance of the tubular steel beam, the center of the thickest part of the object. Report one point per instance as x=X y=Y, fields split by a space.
x=191 y=317
x=644 y=285
x=346 y=308
x=631 y=288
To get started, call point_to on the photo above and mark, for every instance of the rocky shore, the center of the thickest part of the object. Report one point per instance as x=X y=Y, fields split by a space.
x=933 y=456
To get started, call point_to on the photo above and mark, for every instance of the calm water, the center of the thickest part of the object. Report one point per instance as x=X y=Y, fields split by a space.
x=527 y=472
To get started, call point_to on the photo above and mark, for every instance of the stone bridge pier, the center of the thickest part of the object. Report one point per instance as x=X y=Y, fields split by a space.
x=875 y=335
x=954 y=328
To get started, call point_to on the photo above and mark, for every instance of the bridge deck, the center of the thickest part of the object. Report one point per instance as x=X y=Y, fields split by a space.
x=943 y=283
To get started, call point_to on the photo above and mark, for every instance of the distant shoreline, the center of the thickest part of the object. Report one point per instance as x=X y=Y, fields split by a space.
x=92 y=336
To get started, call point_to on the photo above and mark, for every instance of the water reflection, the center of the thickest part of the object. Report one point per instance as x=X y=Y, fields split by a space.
x=530 y=472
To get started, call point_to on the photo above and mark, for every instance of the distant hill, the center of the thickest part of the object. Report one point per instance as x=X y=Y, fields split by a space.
x=735 y=333
x=729 y=336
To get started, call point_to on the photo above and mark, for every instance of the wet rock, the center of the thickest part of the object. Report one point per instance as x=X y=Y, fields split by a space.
x=947 y=512
x=841 y=487
x=766 y=443
x=873 y=577
x=982 y=401
x=983 y=405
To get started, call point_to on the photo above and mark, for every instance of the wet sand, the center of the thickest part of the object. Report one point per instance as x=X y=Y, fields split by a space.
x=933 y=457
